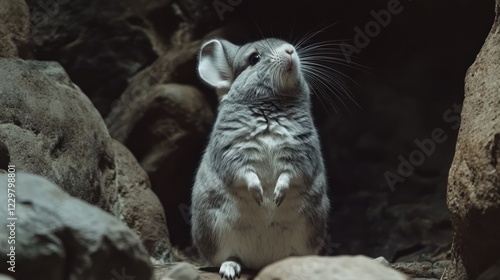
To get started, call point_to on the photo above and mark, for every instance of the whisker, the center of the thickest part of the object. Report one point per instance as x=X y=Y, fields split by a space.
x=324 y=53
x=318 y=90
x=313 y=65
x=339 y=86
x=290 y=36
x=309 y=36
x=260 y=30
x=334 y=60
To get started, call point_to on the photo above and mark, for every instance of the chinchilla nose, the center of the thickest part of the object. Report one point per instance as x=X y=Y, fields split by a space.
x=286 y=49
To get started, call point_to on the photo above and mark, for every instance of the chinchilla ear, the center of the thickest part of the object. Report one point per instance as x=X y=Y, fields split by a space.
x=215 y=62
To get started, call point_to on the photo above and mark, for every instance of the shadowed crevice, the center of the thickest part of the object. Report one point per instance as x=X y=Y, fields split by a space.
x=4 y=156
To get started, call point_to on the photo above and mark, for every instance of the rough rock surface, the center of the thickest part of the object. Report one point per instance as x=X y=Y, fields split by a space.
x=14 y=29
x=333 y=268
x=69 y=144
x=61 y=237
x=422 y=270
x=52 y=129
x=474 y=179
x=181 y=271
x=138 y=206
x=186 y=271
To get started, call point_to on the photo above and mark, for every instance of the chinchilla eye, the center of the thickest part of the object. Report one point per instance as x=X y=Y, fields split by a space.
x=254 y=58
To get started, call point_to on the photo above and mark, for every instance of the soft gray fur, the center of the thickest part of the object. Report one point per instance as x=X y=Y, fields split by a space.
x=264 y=127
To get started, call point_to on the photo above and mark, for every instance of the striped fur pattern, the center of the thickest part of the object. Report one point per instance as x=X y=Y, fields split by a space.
x=260 y=193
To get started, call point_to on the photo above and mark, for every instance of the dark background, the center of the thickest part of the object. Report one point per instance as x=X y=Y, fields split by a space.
x=411 y=73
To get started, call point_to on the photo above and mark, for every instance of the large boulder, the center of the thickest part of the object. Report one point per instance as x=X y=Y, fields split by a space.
x=59 y=237
x=52 y=129
x=70 y=145
x=332 y=268
x=474 y=178
x=136 y=204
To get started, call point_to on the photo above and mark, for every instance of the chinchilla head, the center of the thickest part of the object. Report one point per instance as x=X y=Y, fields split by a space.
x=261 y=69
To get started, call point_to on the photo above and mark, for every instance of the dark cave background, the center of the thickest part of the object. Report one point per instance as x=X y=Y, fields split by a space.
x=413 y=73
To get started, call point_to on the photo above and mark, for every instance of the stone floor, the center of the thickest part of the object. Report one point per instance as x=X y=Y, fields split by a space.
x=415 y=270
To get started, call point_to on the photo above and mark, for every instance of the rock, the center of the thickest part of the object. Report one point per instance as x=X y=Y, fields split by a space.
x=382 y=261
x=67 y=139
x=184 y=271
x=5 y=277
x=424 y=270
x=137 y=205
x=14 y=29
x=474 y=177
x=61 y=237
x=176 y=271
x=69 y=144
x=332 y=268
